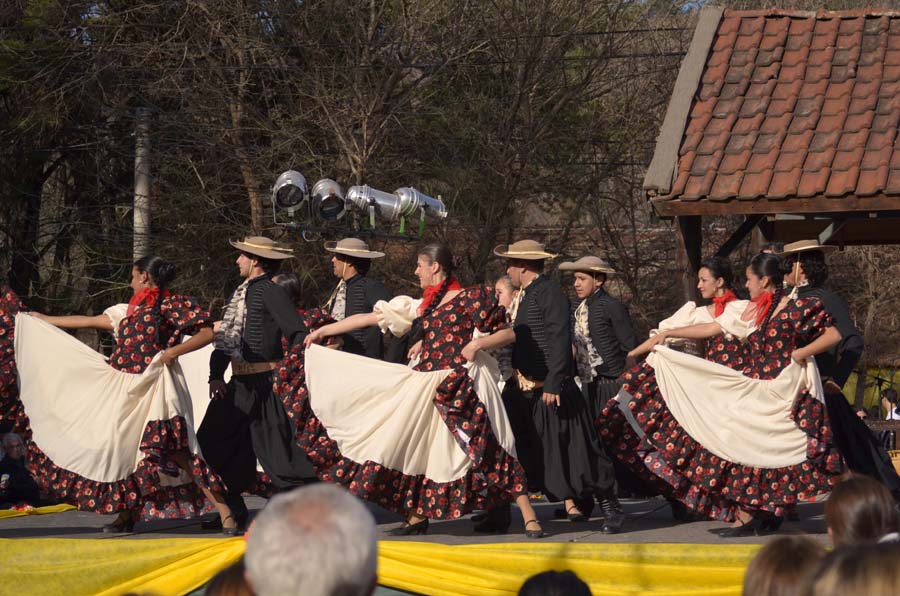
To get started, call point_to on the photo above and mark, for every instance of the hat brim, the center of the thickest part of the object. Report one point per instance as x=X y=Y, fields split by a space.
x=502 y=250
x=822 y=248
x=357 y=254
x=275 y=255
x=575 y=267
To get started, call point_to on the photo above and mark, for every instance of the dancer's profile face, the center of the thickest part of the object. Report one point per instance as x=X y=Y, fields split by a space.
x=756 y=285
x=585 y=284
x=708 y=284
x=514 y=270
x=426 y=270
x=139 y=280
x=245 y=264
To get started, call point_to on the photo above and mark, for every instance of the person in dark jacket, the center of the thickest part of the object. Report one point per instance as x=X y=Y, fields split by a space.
x=602 y=336
x=17 y=487
x=806 y=270
x=356 y=293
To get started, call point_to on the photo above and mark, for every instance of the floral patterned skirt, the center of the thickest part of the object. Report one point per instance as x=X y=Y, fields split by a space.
x=664 y=455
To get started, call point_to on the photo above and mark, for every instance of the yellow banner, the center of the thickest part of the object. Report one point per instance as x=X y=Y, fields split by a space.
x=176 y=566
x=7 y=513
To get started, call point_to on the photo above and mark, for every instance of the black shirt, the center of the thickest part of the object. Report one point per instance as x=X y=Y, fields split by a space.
x=838 y=362
x=21 y=487
x=543 y=347
x=362 y=294
x=611 y=332
x=270 y=316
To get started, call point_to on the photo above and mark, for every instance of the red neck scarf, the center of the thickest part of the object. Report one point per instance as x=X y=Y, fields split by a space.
x=719 y=302
x=145 y=296
x=763 y=304
x=431 y=292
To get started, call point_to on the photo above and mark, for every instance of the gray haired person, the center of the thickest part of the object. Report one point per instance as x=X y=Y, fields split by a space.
x=317 y=540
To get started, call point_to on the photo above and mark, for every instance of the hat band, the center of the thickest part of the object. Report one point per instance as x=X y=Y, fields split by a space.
x=275 y=248
x=350 y=249
x=525 y=252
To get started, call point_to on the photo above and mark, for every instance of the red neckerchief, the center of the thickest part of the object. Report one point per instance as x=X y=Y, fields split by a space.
x=145 y=296
x=430 y=293
x=763 y=304
x=719 y=302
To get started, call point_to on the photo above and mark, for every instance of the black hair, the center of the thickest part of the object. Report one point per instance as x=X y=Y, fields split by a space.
x=362 y=266
x=270 y=266
x=720 y=267
x=440 y=254
x=813 y=263
x=554 y=583
x=161 y=273
x=291 y=284
x=890 y=395
x=769 y=265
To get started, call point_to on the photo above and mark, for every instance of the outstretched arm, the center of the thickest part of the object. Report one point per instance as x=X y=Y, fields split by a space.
x=499 y=339
x=347 y=325
x=101 y=322
x=197 y=341
x=702 y=331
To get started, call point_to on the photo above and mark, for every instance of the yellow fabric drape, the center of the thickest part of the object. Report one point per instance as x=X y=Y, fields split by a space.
x=50 y=566
x=7 y=513
x=872 y=394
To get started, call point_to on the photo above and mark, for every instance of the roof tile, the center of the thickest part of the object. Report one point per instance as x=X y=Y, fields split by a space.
x=813 y=182
x=865 y=88
x=753 y=106
x=868 y=72
x=729 y=25
x=690 y=143
x=845 y=160
x=726 y=186
x=824 y=140
x=761 y=89
x=841 y=183
x=831 y=122
x=777 y=107
x=774 y=124
x=701 y=164
x=872 y=181
x=751 y=25
x=712 y=143
x=746 y=42
x=742 y=58
x=801 y=40
x=889 y=89
x=726 y=107
x=851 y=140
x=892 y=186
x=715 y=73
x=818 y=70
x=886 y=105
x=724 y=41
x=879 y=139
x=885 y=121
x=735 y=162
x=762 y=161
x=813 y=89
x=893 y=41
x=856 y=122
x=895 y=159
x=875 y=158
x=892 y=57
x=740 y=143
x=798 y=56
x=801 y=123
x=786 y=89
x=767 y=57
x=755 y=184
x=876 y=25
x=711 y=90
x=797 y=142
x=818 y=160
x=736 y=74
x=747 y=125
x=698 y=186
x=839 y=89
x=805 y=107
x=891 y=72
x=720 y=125
x=843 y=73
x=790 y=161
x=858 y=105
x=791 y=73
x=761 y=74
x=784 y=184
x=766 y=143
x=835 y=105
x=698 y=124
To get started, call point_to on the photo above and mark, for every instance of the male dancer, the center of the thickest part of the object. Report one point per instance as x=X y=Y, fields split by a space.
x=246 y=421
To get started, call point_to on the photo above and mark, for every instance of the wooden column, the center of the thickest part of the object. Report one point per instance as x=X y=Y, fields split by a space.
x=687 y=256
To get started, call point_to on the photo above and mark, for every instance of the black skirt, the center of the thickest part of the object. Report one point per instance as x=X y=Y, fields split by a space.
x=598 y=392
x=859 y=447
x=250 y=423
x=558 y=447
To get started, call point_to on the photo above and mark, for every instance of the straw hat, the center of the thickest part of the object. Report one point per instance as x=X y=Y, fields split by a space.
x=263 y=247
x=526 y=250
x=353 y=247
x=804 y=246
x=588 y=264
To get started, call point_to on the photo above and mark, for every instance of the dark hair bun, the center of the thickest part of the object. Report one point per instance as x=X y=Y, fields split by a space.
x=164 y=274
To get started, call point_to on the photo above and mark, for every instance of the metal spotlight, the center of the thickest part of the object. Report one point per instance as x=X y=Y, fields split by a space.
x=415 y=200
x=404 y=202
x=328 y=200
x=290 y=191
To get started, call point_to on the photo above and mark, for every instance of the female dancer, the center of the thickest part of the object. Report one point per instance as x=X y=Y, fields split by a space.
x=10 y=406
x=457 y=424
x=739 y=444
x=134 y=449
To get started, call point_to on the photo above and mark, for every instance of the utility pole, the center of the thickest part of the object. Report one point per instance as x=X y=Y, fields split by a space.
x=141 y=183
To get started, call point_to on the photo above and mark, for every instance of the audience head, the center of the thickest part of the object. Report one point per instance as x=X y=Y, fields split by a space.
x=783 y=567
x=870 y=569
x=889 y=399
x=316 y=540
x=715 y=277
x=506 y=291
x=13 y=446
x=812 y=268
x=291 y=285
x=860 y=510
x=554 y=583
x=772 y=248
x=231 y=581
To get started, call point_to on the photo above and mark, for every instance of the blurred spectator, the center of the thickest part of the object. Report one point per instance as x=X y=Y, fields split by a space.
x=889 y=405
x=17 y=487
x=871 y=569
x=231 y=581
x=772 y=247
x=315 y=540
x=554 y=583
x=861 y=510
x=783 y=567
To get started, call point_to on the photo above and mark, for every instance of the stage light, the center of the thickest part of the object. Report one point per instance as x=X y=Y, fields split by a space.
x=415 y=200
x=290 y=191
x=328 y=200
x=404 y=202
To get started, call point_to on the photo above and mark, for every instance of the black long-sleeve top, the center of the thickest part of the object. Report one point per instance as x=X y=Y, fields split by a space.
x=362 y=294
x=611 y=332
x=838 y=362
x=21 y=486
x=543 y=347
x=270 y=316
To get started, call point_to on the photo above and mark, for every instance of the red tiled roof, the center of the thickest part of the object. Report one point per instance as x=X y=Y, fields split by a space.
x=789 y=105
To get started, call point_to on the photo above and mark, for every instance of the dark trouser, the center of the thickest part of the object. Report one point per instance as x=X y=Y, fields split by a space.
x=250 y=423
x=558 y=446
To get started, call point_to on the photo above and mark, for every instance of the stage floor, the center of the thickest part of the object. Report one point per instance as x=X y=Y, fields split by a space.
x=649 y=521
